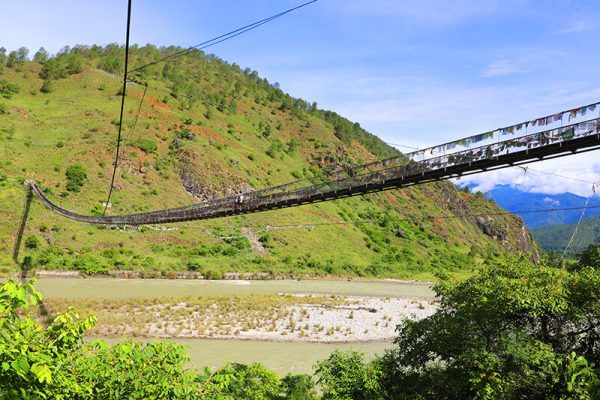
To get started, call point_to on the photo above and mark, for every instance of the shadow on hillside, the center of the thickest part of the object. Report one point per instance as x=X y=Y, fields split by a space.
x=24 y=265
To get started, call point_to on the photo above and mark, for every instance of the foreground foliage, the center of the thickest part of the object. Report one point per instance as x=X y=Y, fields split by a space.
x=513 y=330
x=53 y=362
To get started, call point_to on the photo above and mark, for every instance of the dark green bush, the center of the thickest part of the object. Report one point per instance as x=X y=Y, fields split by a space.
x=145 y=144
x=76 y=177
x=8 y=89
x=32 y=242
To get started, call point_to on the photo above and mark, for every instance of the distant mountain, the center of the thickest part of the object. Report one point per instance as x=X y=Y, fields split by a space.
x=556 y=237
x=514 y=200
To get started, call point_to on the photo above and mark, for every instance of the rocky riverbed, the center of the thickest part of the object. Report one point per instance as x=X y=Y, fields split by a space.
x=271 y=317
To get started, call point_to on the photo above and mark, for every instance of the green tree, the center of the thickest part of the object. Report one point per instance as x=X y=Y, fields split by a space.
x=591 y=257
x=37 y=362
x=134 y=370
x=53 y=362
x=513 y=330
x=41 y=55
x=110 y=64
x=11 y=61
x=298 y=387
x=2 y=58
x=346 y=376
x=244 y=382
x=76 y=177
x=22 y=54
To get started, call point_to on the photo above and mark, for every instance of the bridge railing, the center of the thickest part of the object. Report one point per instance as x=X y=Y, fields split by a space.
x=394 y=168
x=399 y=167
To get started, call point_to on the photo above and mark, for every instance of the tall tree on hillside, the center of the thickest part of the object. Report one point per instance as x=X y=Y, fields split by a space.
x=2 y=56
x=41 y=55
x=22 y=54
x=11 y=61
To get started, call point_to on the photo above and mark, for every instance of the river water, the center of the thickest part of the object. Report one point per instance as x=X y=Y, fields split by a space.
x=282 y=357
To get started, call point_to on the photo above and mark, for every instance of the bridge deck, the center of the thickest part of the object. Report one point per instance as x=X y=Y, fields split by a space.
x=373 y=177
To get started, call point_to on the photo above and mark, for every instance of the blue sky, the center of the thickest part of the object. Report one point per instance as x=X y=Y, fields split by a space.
x=412 y=72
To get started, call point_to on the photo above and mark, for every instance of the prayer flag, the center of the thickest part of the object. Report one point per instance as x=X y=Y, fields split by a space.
x=477 y=138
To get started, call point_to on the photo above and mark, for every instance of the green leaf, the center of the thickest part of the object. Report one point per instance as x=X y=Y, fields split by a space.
x=42 y=372
x=20 y=365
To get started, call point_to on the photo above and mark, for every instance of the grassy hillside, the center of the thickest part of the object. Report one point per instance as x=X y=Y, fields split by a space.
x=207 y=129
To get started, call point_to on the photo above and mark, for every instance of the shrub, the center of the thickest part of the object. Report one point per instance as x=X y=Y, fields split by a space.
x=8 y=89
x=76 y=176
x=89 y=264
x=110 y=64
x=32 y=242
x=145 y=144
x=345 y=375
x=46 y=86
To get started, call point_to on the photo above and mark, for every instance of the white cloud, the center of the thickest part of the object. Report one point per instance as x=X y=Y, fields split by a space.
x=571 y=174
x=578 y=25
x=551 y=201
x=500 y=68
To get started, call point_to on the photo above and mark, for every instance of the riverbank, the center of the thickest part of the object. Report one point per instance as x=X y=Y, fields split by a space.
x=269 y=317
x=229 y=276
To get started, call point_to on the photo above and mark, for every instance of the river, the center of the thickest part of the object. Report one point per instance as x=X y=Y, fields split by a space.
x=282 y=357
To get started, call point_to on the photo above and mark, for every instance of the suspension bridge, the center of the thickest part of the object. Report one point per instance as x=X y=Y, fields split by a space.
x=493 y=150
x=427 y=165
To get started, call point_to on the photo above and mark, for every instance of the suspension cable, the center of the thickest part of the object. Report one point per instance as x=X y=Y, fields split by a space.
x=112 y=181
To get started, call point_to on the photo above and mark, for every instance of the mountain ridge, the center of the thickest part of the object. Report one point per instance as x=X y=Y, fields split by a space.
x=515 y=200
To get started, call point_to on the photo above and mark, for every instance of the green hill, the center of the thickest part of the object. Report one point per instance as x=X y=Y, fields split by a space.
x=206 y=129
x=556 y=237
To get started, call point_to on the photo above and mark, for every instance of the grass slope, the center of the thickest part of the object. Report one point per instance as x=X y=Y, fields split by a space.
x=208 y=129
